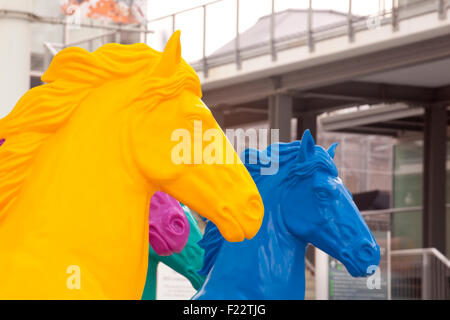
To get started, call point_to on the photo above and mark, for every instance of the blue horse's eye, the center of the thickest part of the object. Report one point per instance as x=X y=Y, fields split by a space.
x=322 y=194
x=2 y=141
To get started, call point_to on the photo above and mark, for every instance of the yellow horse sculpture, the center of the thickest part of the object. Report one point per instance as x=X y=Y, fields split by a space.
x=82 y=156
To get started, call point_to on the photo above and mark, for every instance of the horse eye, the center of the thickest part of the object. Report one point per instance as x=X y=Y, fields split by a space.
x=194 y=117
x=322 y=194
x=347 y=232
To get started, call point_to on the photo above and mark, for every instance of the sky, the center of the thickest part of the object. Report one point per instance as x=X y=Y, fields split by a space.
x=221 y=19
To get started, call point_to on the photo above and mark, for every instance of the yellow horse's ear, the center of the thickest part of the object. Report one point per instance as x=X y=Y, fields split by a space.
x=170 y=58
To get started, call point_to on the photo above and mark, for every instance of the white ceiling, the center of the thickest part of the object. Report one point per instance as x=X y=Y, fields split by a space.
x=431 y=75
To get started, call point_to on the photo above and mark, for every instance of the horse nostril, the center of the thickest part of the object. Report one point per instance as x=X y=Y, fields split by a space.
x=255 y=208
x=367 y=252
x=2 y=141
x=176 y=225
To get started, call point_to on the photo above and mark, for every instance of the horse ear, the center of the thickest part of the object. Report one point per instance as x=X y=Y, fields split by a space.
x=171 y=57
x=332 y=149
x=307 y=146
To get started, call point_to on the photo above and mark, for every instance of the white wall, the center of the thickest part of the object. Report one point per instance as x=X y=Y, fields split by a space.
x=14 y=55
x=321 y=268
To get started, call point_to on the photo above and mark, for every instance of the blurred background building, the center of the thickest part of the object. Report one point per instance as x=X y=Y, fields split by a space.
x=369 y=74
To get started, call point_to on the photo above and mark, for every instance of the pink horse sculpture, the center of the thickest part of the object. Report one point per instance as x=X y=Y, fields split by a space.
x=168 y=225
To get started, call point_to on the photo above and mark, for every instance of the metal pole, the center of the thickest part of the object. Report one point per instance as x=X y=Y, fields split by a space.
x=389 y=265
x=426 y=276
x=280 y=115
x=351 y=34
x=394 y=15
x=442 y=9
x=173 y=23
x=104 y=38
x=117 y=36
x=205 y=65
x=65 y=35
x=237 y=39
x=145 y=33
x=272 y=33
x=310 y=33
x=434 y=173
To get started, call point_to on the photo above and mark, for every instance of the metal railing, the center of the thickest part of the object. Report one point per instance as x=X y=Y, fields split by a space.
x=135 y=27
x=349 y=25
x=414 y=274
x=420 y=274
x=52 y=48
x=390 y=211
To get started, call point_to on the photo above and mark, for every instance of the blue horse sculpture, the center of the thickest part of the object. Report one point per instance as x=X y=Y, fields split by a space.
x=305 y=202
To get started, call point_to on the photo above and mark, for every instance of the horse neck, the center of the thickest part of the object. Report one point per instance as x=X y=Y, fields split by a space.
x=88 y=166
x=186 y=263
x=274 y=252
x=273 y=226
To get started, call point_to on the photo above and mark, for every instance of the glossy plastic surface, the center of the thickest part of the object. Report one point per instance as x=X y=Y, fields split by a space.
x=305 y=202
x=82 y=157
x=187 y=263
x=168 y=225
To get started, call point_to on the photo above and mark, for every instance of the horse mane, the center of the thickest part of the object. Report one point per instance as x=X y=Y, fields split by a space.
x=254 y=160
x=288 y=154
x=72 y=75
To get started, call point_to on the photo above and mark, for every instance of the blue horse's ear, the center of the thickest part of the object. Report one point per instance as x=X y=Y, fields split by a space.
x=307 y=146
x=332 y=149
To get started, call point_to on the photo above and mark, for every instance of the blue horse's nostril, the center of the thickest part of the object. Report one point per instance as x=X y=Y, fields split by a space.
x=2 y=141
x=367 y=252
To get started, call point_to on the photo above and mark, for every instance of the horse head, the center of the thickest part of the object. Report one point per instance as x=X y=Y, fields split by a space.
x=223 y=193
x=328 y=218
x=187 y=262
x=305 y=202
x=168 y=225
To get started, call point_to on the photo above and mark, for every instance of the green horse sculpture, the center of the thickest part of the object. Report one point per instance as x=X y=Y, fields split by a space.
x=187 y=262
